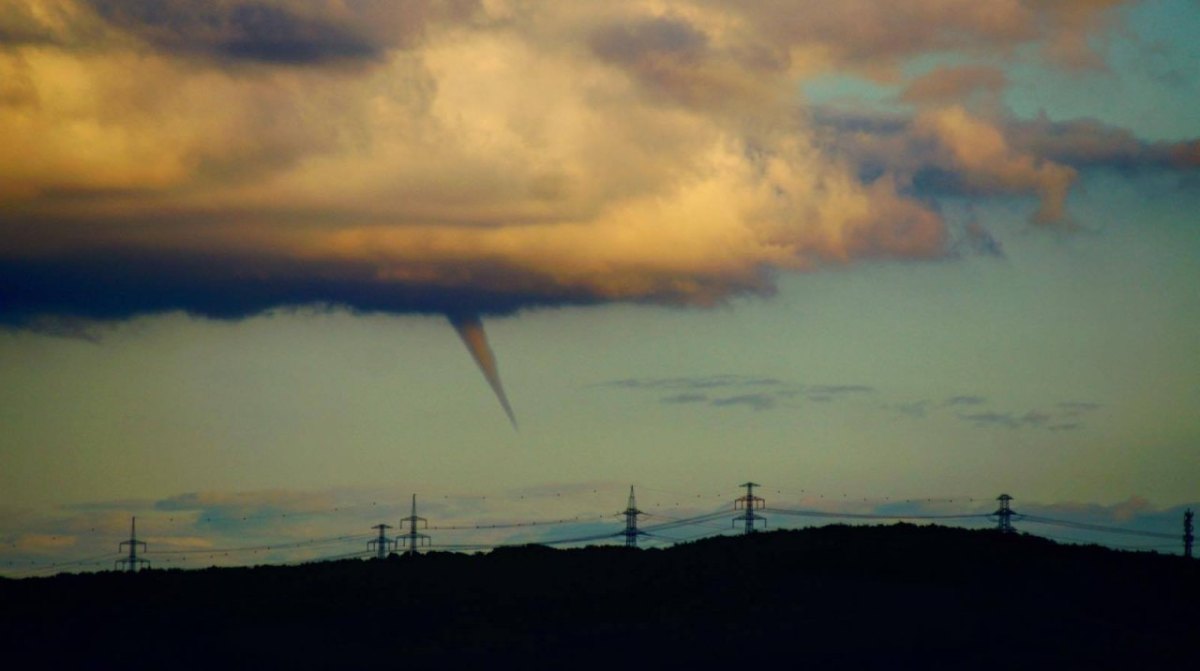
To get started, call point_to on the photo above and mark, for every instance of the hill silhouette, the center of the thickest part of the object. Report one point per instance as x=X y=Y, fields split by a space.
x=896 y=596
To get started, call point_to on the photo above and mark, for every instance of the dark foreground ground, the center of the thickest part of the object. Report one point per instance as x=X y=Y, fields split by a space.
x=835 y=597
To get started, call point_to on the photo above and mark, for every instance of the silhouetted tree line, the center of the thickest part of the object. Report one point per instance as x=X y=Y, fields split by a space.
x=899 y=596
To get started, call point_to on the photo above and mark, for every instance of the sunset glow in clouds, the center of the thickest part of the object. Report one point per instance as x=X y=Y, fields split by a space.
x=901 y=248
x=229 y=157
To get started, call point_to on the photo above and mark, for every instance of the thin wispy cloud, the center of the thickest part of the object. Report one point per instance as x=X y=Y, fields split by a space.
x=1076 y=408
x=971 y=408
x=965 y=400
x=754 y=401
x=755 y=392
x=985 y=419
x=695 y=382
x=768 y=393
x=1048 y=419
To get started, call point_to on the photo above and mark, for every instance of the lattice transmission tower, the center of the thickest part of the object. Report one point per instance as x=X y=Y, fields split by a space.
x=413 y=539
x=748 y=504
x=1004 y=515
x=631 y=514
x=380 y=545
x=1188 y=536
x=133 y=561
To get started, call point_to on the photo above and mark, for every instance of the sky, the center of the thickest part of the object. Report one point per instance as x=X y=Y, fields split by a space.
x=863 y=253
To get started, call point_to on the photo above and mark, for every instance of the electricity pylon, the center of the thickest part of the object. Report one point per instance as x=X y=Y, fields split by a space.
x=1004 y=515
x=749 y=503
x=1188 y=536
x=412 y=538
x=631 y=514
x=381 y=544
x=132 y=562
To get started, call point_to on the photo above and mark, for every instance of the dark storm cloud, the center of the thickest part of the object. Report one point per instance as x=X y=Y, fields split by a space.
x=121 y=285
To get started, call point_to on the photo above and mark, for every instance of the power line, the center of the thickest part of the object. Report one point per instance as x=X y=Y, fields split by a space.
x=875 y=516
x=1094 y=527
x=258 y=548
x=1083 y=541
x=105 y=558
x=515 y=525
x=318 y=560
x=659 y=531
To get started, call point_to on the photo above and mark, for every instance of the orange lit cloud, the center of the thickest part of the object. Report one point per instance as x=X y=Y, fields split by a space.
x=229 y=157
x=954 y=85
x=981 y=154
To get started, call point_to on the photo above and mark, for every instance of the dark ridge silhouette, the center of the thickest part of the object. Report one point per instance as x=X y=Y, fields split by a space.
x=898 y=596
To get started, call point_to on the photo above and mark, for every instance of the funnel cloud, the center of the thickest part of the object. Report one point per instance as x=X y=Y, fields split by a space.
x=470 y=329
